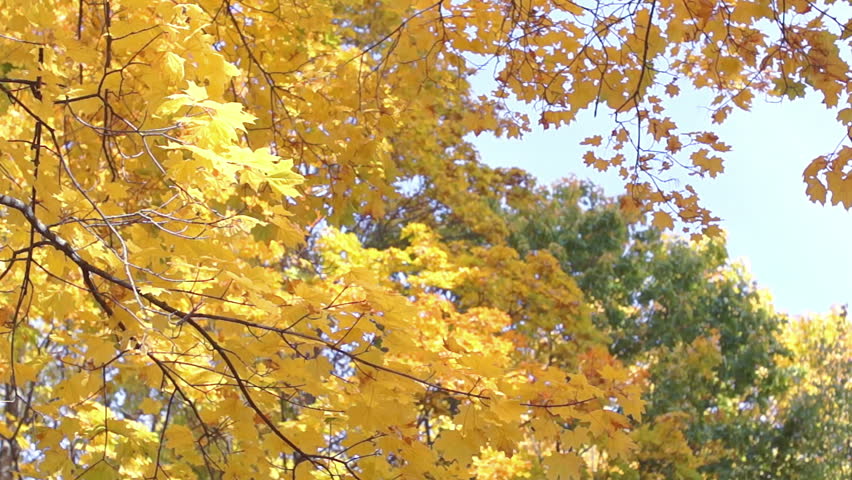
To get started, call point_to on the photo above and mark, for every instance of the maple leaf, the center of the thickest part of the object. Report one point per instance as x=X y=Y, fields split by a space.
x=174 y=67
x=620 y=444
x=660 y=128
x=673 y=144
x=711 y=165
x=672 y=90
x=721 y=114
x=707 y=138
x=633 y=406
x=816 y=191
x=564 y=466
x=840 y=186
x=594 y=140
x=662 y=220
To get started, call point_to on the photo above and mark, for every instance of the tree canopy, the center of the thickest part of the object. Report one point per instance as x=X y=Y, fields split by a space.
x=248 y=239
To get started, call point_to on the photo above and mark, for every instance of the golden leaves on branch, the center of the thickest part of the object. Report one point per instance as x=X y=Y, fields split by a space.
x=184 y=295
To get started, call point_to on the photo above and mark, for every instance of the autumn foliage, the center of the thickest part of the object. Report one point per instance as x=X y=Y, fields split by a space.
x=249 y=239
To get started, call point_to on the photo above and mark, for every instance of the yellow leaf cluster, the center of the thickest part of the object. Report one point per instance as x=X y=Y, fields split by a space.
x=183 y=295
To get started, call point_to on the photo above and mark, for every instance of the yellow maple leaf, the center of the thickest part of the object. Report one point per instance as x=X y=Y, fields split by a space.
x=564 y=466
x=173 y=65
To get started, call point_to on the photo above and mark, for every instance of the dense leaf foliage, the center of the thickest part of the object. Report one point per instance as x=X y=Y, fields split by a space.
x=247 y=239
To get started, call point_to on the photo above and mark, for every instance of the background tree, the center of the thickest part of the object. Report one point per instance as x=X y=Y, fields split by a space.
x=813 y=415
x=718 y=370
x=711 y=339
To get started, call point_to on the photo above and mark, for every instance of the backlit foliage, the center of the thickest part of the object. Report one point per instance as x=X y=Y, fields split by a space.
x=181 y=298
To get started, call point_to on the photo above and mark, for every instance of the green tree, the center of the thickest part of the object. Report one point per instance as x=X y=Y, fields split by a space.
x=711 y=339
x=707 y=337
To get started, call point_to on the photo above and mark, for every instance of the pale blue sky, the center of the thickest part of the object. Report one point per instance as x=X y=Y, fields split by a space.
x=801 y=252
